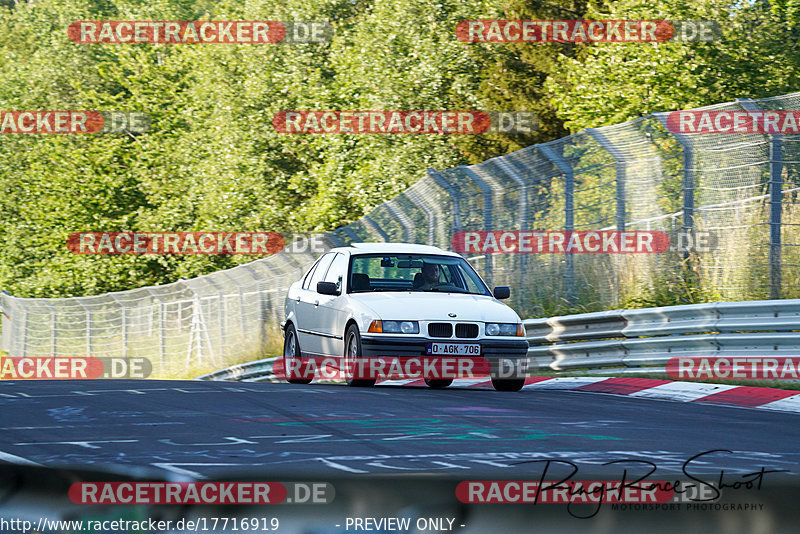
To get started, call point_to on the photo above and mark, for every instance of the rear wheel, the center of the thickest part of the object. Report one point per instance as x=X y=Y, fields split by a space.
x=352 y=353
x=438 y=383
x=293 y=358
x=508 y=384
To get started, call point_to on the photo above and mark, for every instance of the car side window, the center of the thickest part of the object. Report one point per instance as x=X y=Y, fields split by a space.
x=319 y=272
x=446 y=275
x=464 y=282
x=337 y=271
x=309 y=274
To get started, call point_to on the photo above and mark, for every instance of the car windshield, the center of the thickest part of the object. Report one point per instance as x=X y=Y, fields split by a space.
x=413 y=272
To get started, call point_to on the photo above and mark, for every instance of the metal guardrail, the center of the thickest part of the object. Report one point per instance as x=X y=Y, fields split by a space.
x=634 y=340
x=256 y=371
x=651 y=336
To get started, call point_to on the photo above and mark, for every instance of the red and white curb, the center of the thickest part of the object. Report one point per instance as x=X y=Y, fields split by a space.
x=782 y=400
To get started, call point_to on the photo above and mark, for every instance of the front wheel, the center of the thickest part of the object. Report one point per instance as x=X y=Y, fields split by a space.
x=508 y=384
x=292 y=358
x=352 y=353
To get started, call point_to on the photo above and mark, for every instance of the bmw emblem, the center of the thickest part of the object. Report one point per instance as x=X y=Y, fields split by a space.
x=451 y=314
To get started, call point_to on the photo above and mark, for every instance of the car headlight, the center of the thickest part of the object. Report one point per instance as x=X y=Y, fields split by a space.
x=505 y=329
x=394 y=327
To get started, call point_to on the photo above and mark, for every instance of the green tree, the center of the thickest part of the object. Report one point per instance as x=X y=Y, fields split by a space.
x=755 y=56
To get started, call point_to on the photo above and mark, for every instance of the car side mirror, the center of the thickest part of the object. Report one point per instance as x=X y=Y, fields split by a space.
x=327 y=288
x=502 y=292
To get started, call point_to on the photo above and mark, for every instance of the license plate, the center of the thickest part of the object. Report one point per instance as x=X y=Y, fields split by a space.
x=454 y=349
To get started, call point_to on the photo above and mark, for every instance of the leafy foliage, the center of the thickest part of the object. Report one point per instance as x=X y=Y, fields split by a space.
x=756 y=56
x=212 y=161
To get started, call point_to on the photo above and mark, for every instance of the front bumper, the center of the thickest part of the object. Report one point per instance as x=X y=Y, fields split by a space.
x=505 y=355
x=372 y=346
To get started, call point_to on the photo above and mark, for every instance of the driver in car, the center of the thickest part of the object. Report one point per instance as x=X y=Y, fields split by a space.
x=429 y=276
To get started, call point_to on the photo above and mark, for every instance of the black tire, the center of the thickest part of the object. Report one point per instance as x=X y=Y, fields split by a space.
x=291 y=350
x=352 y=350
x=438 y=383
x=508 y=384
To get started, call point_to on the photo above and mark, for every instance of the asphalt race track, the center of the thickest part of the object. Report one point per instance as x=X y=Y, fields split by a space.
x=205 y=429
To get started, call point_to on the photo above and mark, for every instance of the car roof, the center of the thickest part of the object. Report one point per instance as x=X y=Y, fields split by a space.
x=393 y=248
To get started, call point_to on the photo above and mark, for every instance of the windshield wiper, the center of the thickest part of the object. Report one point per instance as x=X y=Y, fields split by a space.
x=447 y=290
x=385 y=289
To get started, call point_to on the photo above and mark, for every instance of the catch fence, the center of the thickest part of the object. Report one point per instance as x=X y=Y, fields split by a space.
x=740 y=189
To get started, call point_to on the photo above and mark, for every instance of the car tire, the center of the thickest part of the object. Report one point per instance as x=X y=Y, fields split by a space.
x=438 y=383
x=508 y=384
x=291 y=351
x=352 y=351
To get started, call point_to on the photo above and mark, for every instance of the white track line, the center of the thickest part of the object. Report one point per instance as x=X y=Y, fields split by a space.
x=566 y=382
x=681 y=391
x=789 y=404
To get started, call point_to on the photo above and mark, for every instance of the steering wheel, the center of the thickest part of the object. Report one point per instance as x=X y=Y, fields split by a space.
x=443 y=284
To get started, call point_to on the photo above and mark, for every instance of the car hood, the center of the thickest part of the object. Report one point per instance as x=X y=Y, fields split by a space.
x=432 y=306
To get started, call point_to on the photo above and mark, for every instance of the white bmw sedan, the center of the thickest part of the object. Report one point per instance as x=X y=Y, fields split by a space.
x=401 y=301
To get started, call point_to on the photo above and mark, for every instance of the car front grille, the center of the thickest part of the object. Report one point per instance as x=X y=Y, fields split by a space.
x=440 y=330
x=466 y=330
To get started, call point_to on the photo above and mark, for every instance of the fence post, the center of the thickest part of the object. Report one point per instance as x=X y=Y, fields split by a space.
x=488 y=217
x=688 y=187
x=619 y=173
x=11 y=309
x=223 y=337
x=124 y=332
x=512 y=172
x=124 y=326
x=619 y=179
x=161 y=326
x=407 y=226
x=242 y=305
x=569 y=216
x=418 y=201
x=334 y=239
x=349 y=232
x=53 y=332
x=88 y=329
x=454 y=196
x=369 y=223
x=775 y=214
x=24 y=332
x=262 y=315
x=775 y=186
x=6 y=336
